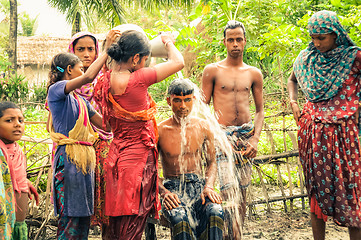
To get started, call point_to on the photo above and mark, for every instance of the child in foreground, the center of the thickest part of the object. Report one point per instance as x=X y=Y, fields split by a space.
x=11 y=130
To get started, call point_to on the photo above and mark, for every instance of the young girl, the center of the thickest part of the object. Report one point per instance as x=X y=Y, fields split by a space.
x=11 y=129
x=74 y=160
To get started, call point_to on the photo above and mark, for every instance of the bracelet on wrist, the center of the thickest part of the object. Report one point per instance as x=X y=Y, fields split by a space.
x=293 y=101
x=209 y=188
x=168 y=41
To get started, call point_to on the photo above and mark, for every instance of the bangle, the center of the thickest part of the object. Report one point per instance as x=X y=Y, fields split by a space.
x=209 y=188
x=168 y=41
x=293 y=101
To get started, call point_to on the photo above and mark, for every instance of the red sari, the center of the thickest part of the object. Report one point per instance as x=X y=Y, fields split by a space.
x=131 y=167
x=330 y=152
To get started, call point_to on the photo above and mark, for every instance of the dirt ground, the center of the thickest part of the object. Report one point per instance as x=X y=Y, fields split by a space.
x=284 y=226
x=259 y=224
x=276 y=225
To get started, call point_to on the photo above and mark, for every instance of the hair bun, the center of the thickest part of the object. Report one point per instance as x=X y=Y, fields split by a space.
x=115 y=51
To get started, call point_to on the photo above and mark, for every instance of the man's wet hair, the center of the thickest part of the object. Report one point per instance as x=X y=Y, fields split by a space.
x=6 y=105
x=181 y=87
x=232 y=24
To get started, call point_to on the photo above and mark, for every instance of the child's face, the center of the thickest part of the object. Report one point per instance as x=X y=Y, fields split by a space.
x=11 y=125
x=77 y=70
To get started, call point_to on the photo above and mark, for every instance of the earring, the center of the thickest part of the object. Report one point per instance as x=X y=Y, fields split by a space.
x=134 y=64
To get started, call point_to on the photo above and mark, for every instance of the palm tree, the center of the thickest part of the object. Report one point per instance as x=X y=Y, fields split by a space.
x=112 y=11
x=13 y=33
x=76 y=10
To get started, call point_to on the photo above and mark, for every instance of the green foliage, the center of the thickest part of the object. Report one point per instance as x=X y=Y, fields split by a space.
x=5 y=7
x=36 y=153
x=4 y=31
x=108 y=11
x=353 y=23
x=39 y=93
x=270 y=175
x=273 y=40
x=13 y=88
x=28 y=24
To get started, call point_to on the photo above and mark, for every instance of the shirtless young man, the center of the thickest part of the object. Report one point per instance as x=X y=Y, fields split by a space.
x=229 y=83
x=189 y=201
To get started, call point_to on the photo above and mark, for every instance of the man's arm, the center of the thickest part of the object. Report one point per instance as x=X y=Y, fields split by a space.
x=211 y=170
x=292 y=86
x=257 y=91
x=170 y=200
x=208 y=78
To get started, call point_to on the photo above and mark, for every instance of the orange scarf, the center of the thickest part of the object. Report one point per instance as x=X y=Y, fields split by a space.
x=144 y=115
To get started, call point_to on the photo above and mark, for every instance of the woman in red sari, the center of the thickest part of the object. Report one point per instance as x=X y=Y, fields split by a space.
x=131 y=167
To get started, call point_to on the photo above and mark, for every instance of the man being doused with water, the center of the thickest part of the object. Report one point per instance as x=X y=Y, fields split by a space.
x=230 y=82
x=189 y=201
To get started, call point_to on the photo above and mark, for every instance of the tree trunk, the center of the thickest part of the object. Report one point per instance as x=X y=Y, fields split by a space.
x=76 y=24
x=13 y=33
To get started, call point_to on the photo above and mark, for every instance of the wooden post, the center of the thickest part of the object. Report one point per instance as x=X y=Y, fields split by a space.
x=264 y=189
x=279 y=175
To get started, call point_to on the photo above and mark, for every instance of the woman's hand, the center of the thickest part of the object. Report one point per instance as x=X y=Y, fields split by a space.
x=111 y=37
x=296 y=110
x=167 y=37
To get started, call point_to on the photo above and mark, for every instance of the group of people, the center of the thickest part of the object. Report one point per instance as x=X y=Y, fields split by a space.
x=107 y=141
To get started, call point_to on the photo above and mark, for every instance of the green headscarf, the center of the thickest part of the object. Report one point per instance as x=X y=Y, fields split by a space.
x=321 y=75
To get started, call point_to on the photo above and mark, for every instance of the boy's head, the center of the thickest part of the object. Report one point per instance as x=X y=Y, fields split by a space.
x=180 y=97
x=11 y=122
x=233 y=24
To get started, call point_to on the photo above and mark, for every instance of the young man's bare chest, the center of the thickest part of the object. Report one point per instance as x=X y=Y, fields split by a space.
x=181 y=143
x=232 y=81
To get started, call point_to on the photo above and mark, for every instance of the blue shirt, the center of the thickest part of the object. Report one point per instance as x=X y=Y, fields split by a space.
x=78 y=188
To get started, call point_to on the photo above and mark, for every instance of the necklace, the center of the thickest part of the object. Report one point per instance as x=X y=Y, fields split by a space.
x=122 y=71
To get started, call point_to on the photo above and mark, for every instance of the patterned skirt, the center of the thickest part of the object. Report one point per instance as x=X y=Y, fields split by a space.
x=69 y=228
x=101 y=151
x=330 y=156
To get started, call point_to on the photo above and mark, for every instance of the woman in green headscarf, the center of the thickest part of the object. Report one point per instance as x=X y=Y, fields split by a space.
x=329 y=74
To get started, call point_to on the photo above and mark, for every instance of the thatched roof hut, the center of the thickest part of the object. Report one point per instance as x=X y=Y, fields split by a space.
x=39 y=50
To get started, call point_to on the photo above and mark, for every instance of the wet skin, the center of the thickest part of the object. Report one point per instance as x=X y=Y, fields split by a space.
x=184 y=156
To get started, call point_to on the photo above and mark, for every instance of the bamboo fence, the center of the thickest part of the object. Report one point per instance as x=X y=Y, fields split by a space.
x=41 y=218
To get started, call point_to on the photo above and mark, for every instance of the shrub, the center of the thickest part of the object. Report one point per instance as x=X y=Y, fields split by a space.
x=39 y=93
x=13 y=88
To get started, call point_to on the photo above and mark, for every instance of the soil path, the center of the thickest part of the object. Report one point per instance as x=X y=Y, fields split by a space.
x=275 y=226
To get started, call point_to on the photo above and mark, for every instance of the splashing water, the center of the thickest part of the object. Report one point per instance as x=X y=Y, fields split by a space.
x=227 y=171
